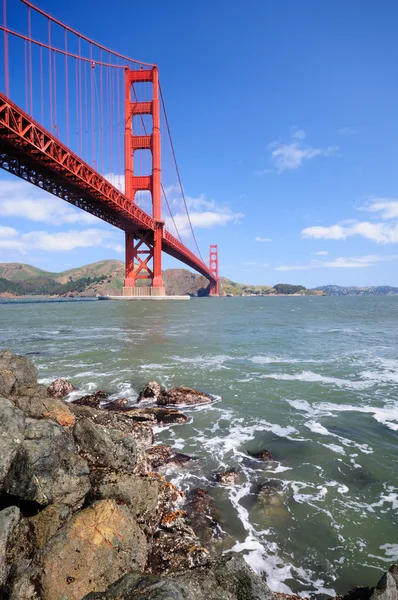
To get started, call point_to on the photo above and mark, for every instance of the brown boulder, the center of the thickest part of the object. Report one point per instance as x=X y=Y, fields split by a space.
x=94 y=549
x=183 y=395
x=91 y=400
x=263 y=455
x=151 y=391
x=60 y=388
x=176 y=552
x=228 y=477
x=47 y=522
x=121 y=404
x=162 y=455
x=204 y=516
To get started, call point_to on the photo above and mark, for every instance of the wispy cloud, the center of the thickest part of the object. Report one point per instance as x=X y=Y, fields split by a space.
x=262 y=239
x=23 y=200
x=203 y=212
x=289 y=156
x=387 y=208
x=342 y=262
x=346 y=131
x=65 y=241
x=321 y=253
x=381 y=233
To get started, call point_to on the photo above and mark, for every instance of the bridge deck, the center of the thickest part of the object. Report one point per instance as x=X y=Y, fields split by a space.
x=31 y=152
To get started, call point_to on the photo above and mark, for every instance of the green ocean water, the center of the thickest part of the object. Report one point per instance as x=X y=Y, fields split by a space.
x=313 y=380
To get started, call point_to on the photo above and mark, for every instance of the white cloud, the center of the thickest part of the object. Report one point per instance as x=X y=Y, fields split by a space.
x=204 y=213
x=64 y=241
x=21 y=199
x=261 y=239
x=381 y=233
x=322 y=253
x=387 y=207
x=292 y=155
x=343 y=262
x=346 y=130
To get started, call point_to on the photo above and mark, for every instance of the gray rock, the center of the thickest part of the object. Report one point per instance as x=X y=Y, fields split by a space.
x=38 y=406
x=107 y=448
x=46 y=467
x=12 y=430
x=47 y=522
x=141 y=432
x=15 y=372
x=228 y=578
x=15 y=541
x=387 y=588
x=140 y=494
x=183 y=395
x=60 y=388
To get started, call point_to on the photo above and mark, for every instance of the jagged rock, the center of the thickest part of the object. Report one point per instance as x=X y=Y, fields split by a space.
x=12 y=431
x=46 y=467
x=15 y=541
x=91 y=551
x=141 y=432
x=140 y=494
x=231 y=477
x=160 y=416
x=151 y=391
x=183 y=395
x=227 y=578
x=40 y=407
x=91 y=400
x=203 y=515
x=47 y=522
x=15 y=372
x=387 y=587
x=160 y=456
x=176 y=552
x=60 y=388
x=263 y=455
x=121 y=404
x=102 y=447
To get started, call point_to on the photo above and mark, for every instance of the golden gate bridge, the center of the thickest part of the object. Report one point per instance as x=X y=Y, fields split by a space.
x=85 y=124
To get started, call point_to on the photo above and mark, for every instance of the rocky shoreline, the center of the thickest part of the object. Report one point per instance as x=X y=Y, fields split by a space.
x=85 y=513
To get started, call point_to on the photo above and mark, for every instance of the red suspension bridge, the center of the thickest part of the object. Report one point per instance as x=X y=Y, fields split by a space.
x=90 y=133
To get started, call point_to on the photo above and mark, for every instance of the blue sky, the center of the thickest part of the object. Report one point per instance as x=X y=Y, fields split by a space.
x=284 y=120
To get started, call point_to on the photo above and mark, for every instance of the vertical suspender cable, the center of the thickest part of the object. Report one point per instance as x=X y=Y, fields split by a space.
x=92 y=97
x=66 y=88
x=30 y=63
x=80 y=100
x=6 y=70
x=118 y=122
x=101 y=118
x=50 y=75
x=111 y=116
x=55 y=94
x=25 y=51
x=41 y=86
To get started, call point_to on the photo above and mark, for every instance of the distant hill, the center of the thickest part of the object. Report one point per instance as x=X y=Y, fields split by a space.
x=106 y=277
x=338 y=290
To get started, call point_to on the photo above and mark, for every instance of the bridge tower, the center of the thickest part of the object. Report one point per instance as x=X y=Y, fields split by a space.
x=143 y=246
x=213 y=264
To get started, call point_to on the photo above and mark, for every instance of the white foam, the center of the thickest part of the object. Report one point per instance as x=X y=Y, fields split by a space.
x=310 y=377
x=391 y=552
x=205 y=362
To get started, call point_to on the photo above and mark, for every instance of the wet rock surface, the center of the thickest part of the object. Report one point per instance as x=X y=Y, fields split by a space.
x=227 y=578
x=92 y=400
x=60 y=388
x=162 y=456
x=263 y=455
x=231 y=477
x=151 y=391
x=269 y=494
x=203 y=515
x=16 y=372
x=182 y=395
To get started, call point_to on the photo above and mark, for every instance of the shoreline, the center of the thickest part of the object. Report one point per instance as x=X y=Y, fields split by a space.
x=109 y=464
